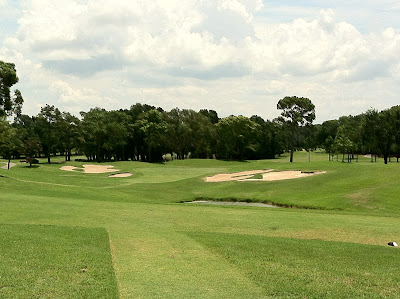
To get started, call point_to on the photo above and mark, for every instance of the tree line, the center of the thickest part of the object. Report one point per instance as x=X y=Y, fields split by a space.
x=143 y=132
x=147 y=133
x=376 y=133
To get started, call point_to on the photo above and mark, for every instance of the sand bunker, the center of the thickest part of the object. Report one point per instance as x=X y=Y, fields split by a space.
x=6 y=166
x=236 y=176
x=88 y=168
x=267 y=175
x=120 y=175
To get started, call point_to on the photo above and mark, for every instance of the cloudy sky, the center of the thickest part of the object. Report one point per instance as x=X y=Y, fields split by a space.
x=233 y=56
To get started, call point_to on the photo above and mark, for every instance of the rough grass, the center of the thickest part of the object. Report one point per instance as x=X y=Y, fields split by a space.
x=166 y=249
x=55 y=262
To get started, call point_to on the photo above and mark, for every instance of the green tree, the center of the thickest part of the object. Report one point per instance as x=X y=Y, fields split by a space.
x=326 y=135
x=396 y=119
x=189 y=131
x=48 y=130
x=8 y=77
x=135 y=146
x=268 y=139
x=203 y=135
x=296 y=112
x=236 y=137
x=212 y=115
x=380 y=131
x=10 y=142
x=69 y=128
x=178 y=132
x=104 y=134
x=343 y=143
x=116 y=135
x=31 y=148
x=153 y=127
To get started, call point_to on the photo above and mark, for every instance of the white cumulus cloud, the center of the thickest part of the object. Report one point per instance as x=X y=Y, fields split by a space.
x=204 y=54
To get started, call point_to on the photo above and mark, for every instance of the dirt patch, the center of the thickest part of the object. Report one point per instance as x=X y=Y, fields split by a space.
x=120 y=175
x=90 y=168
x=267 y=175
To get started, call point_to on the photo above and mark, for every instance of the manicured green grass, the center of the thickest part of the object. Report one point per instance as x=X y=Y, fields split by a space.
x=310 y=268
x=163 y=248
x=55 y=262
x=362 y=187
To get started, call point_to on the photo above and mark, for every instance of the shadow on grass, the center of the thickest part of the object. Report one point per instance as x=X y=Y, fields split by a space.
x=32 y=166
x=242 y=161
x=249 y=200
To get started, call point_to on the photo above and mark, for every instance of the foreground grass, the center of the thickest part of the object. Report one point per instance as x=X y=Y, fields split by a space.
x=309 y=268
x=165 y=249
x=55 y=262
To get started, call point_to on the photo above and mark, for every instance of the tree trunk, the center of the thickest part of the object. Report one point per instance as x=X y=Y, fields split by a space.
x=291 y=155
x=385 y=158
x=343 y=158
x=9 y=161
x=149 y=159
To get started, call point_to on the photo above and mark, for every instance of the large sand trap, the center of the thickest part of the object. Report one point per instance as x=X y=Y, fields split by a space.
x=90 y=168
x=236 y=176
x=268 y=175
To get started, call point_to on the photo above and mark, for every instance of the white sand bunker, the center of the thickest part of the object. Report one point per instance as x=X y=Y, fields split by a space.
x=6 y=166
x=120 y=175
x=88 y=168
x=236 y=176
x=267 y=175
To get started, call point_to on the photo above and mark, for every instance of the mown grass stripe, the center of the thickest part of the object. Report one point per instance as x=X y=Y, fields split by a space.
x=40 y=261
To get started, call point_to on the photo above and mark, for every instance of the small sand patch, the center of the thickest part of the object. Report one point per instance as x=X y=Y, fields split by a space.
x=68 y=168
x=90 y=168
x=268 y=175
x=6 y=166
x=120 y=175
